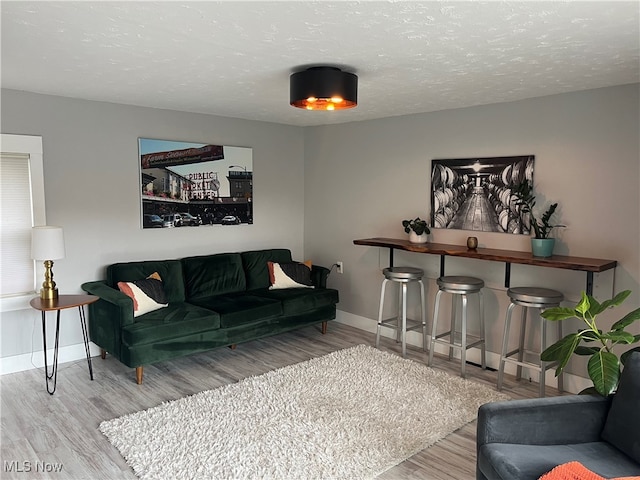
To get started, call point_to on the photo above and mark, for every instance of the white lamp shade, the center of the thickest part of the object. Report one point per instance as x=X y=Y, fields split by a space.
x=47 y=243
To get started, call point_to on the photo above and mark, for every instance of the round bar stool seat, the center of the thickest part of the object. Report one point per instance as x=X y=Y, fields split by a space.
x=535 y=297
x=403 y=276
x=459 y=286
x=399 y=274
x=460 y=283
x=526 y=298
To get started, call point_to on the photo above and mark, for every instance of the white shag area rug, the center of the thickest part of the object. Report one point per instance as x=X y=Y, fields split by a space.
x=351 y=414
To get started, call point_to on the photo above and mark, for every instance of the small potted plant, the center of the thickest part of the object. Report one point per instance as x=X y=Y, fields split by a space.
x=541 y=244
x=417 y=230
x=604 y=365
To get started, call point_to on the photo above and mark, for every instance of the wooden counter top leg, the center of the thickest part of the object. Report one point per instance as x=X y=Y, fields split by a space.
x=507 y=275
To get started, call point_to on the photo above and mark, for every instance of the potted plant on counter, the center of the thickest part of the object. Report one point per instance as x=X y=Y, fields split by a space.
x=541 y=244
x=417 y=230
x=603 y=366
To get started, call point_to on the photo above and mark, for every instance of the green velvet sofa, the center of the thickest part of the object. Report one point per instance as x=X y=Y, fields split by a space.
x=213 y=300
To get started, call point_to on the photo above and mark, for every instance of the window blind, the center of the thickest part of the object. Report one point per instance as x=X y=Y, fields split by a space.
x=17 y=275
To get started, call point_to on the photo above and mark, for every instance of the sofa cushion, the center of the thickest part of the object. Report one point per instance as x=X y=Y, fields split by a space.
x=240 y=308
x=169 y=270
x=622 y=428
x=255 y=265
x=530 y=462
x=300 y=300
x=211 y=275
x=176 y=320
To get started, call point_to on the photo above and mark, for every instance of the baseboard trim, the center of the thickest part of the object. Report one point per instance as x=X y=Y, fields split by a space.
x=572 y=383
x=28 y=361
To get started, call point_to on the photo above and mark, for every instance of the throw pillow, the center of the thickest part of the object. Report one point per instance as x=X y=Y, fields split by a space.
x=147 y=295
x=289 y=275
x=622 y=428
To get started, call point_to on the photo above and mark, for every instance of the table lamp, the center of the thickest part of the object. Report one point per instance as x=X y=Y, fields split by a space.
x=47 y=244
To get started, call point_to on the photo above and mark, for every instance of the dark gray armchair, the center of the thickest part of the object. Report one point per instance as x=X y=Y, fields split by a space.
x=523 y=439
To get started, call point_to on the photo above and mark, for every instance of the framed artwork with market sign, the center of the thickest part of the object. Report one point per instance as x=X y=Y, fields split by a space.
x=186 y=184
x=477 y=193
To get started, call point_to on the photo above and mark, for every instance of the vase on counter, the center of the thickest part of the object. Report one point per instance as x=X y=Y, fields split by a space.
x=542 y=247
x=415 y=238
x=416 y=225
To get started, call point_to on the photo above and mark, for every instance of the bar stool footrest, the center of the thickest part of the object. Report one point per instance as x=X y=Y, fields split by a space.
x=530 y=365
x=524 y=352
x=512 y=353
x=472 y=341
x=393 y=323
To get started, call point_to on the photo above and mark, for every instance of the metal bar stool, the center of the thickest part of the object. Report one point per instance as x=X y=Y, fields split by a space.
x=403 y=276
x=459 y=287
x=529 y=297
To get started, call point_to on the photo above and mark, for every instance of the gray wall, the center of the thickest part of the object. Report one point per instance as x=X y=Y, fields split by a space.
x=92 y=190
x=357 y=180
x=362 y=179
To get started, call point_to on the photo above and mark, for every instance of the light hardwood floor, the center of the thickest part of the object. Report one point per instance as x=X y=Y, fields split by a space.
x=62 y=429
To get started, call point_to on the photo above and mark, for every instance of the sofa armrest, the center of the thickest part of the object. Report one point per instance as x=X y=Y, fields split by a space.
x=543 y=421
x=113 y=303
x=319 y=276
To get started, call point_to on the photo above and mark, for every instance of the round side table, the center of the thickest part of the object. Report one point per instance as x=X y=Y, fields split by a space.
x=57 y=305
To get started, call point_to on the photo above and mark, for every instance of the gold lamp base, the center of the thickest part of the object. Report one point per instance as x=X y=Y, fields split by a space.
x=49 y=291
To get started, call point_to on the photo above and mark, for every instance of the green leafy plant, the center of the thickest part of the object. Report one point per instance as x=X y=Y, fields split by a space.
x=603 y=366
x=418 y=225
x=527 y=200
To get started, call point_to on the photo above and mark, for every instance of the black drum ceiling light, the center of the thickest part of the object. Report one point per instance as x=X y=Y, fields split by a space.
x=323 y=88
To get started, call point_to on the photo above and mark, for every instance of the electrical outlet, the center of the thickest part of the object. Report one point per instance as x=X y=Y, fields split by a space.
x=339 y=267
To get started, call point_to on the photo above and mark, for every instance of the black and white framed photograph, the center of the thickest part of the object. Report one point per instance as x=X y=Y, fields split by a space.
x=476 y=193
x=187 y=184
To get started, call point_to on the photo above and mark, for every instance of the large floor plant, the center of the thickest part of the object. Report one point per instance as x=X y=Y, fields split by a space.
x=604 y=366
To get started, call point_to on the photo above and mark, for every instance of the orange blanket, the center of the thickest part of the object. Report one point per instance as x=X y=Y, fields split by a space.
x=576 y=471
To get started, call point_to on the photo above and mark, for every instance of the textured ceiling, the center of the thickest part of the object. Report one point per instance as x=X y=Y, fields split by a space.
x=234 y=58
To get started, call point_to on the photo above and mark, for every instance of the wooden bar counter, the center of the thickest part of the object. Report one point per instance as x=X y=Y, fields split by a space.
x=588 y=265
